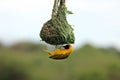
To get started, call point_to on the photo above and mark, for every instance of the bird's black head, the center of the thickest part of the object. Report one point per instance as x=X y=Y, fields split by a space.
x=66 y=46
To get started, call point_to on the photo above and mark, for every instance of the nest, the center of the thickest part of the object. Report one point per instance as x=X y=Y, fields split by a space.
x=57 y=30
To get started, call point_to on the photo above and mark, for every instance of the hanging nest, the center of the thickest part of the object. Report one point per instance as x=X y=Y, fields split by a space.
x=57 y=30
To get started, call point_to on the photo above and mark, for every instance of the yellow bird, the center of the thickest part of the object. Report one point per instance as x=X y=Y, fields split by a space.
x=61 y=53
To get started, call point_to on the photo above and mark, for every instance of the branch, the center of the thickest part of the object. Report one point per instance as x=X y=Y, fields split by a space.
x=55 y=8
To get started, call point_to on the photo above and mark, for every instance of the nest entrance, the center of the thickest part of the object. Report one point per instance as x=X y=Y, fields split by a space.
x=57 y=30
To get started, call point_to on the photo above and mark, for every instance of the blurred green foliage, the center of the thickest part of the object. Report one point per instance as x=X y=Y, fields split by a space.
x=26 y=61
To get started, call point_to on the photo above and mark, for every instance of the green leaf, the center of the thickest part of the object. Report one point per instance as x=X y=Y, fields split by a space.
x=69 y=12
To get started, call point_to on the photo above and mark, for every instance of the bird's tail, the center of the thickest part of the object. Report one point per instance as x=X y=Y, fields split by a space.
x=50 y=53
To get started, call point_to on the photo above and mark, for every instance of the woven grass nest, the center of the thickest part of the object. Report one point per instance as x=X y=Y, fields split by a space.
x=57 y=30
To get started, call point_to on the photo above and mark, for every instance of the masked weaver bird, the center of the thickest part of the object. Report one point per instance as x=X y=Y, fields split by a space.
x=61 y=53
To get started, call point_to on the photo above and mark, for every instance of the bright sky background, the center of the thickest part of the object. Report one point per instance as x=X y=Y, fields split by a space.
x=95 y=21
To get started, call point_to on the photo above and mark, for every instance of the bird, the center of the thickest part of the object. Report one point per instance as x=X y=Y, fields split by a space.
x=61 y=53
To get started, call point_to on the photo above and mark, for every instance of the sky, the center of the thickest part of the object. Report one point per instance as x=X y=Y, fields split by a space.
x=94 y=21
